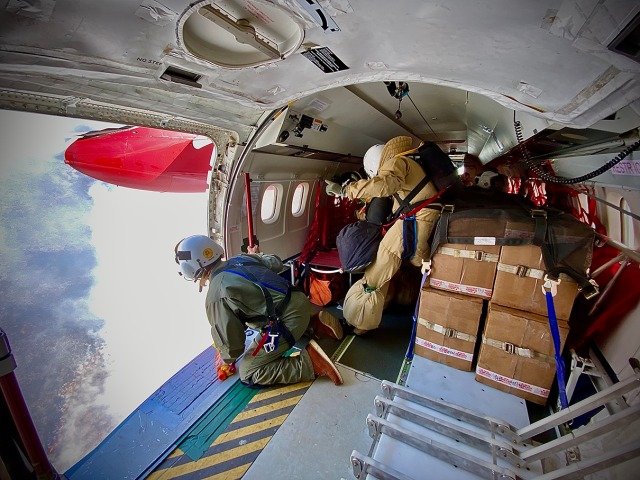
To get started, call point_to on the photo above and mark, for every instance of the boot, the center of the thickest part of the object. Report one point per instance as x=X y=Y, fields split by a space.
x=347 y=328
x=326 y=323
x=322 y=365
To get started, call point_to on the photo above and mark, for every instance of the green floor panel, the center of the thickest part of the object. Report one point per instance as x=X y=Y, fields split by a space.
x=214 y=422
x=380 y=352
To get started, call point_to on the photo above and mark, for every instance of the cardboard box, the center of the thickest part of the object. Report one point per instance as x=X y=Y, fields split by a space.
x=454 y=321
x=525 y=293
x=470 y=276
x=507 y=369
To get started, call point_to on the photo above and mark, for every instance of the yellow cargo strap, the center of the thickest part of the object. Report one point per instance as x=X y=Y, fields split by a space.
x=447 y=332
x=521 y=352
x=477 y=255
x=522 y=271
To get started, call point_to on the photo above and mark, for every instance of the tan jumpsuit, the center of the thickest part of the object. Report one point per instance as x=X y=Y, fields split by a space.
x=399 y=175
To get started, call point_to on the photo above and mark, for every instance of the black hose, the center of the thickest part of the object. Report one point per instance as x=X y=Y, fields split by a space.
x=565 y=180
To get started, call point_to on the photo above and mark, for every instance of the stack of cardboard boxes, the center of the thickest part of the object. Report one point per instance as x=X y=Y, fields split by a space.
x=516 y=352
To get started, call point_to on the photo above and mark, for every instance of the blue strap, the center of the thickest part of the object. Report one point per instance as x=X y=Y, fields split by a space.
x=409 y=238
x=415 y=318
x=555 y=333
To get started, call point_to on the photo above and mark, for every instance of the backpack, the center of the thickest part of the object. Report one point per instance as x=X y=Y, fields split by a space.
x=439 y=168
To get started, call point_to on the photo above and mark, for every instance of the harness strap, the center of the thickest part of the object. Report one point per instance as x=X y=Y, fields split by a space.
x=404 y=204
x=274 y=313
x=409 y=238
x=447 y=332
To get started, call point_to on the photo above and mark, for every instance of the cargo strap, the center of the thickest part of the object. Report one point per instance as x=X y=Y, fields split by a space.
x=555 y=334
x=409 y=356
x=447 y=332
x=522 y=271
x=515 y=350
x=477 y=255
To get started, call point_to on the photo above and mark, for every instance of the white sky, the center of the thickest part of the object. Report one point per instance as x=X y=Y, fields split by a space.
x=155 y=321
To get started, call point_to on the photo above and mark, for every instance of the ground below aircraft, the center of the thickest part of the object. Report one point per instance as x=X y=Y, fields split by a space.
x=292 y=92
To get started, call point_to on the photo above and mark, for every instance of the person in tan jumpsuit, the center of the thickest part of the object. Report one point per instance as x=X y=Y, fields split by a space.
x=366 y=299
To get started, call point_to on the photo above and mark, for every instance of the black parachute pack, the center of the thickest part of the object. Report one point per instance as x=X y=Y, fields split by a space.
x=484 y=217
x=378 y=210
x=358 y=245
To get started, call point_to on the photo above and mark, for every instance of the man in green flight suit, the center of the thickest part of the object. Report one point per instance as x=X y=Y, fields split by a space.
x=247 y=292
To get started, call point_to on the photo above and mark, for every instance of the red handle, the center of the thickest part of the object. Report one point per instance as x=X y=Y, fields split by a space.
x=247 y=196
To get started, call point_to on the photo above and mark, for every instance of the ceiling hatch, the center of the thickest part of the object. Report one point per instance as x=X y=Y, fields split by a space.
x=239 y=33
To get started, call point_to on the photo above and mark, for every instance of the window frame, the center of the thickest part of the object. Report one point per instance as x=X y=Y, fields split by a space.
x=303 y=199
x=277 y=201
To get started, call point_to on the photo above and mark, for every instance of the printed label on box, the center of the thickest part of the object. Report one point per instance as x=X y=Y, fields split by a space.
x=484 y=240
x=510 y=382
x=456 y=287
x=442 y=349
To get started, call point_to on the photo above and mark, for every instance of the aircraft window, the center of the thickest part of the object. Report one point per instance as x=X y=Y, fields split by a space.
x=628 y=235
x=299 y=199
x=270 y=203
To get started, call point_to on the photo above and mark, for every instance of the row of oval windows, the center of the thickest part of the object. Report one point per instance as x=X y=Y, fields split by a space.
x=272 y=196
x=272 y=199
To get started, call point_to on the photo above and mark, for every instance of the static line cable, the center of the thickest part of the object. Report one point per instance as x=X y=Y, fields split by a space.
x=565 y=180
x=425 y=120
x=608 y=204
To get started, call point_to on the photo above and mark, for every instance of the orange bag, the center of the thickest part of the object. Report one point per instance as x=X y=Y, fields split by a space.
x=325 y=288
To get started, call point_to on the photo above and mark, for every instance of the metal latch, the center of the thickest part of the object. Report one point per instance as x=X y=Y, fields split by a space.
x=509 y=348
x=447 y=208
x=478 y=255
x=593 y=292
x=521 y=271
x=537 y=212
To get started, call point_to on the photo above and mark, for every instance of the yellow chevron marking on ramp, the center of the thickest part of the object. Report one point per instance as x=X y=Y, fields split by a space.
x=249 y=429
x=279 y=391
x=267 y=408
x=211 y=460
x=231 y=474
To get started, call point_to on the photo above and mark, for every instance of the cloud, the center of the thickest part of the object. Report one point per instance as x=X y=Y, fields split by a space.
x=96 y=314
x=46 y=264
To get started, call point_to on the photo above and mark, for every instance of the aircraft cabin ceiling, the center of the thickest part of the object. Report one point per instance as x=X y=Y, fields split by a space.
x=226 y=62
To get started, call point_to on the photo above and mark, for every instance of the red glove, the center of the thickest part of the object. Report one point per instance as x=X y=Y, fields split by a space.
x=223 y=369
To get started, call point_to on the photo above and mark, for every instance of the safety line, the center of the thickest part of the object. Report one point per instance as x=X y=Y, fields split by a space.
x=234 y=450
x=337 y=355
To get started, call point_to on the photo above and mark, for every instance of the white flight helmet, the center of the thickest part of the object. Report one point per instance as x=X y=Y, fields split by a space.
x=486 y=179
x=372 y=160
x=194 y=254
